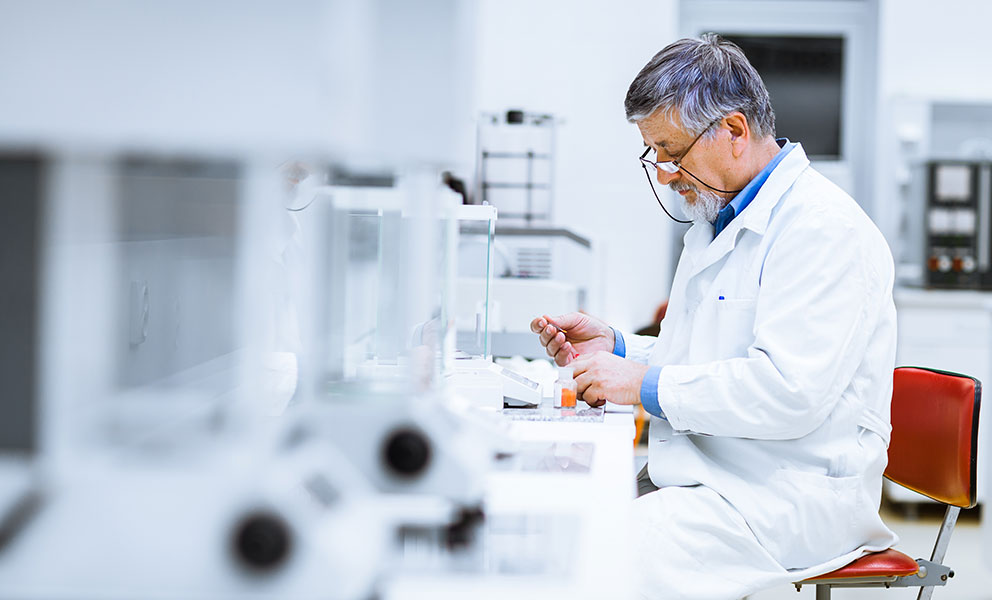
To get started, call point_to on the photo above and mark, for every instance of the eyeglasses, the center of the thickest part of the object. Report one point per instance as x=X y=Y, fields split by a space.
x=674 y=166
x=670 y=167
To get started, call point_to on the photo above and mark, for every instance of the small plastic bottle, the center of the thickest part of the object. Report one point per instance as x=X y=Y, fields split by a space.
x=565 y=388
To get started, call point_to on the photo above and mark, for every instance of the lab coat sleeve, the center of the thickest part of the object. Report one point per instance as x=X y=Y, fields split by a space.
x=823 y=284
x=637 y=347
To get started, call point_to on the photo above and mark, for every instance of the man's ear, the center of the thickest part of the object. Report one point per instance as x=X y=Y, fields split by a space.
x=740 y=132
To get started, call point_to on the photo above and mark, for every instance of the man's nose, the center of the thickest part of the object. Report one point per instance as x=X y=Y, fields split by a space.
x=665 y=178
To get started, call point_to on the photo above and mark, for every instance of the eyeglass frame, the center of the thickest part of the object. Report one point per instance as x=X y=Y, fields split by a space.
x=677 y=163
x=673 y=166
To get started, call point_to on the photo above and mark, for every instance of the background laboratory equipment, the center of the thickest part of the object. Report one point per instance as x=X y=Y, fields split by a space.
x=947 y=198
x=158 y=352
x=958 y=227
x=380 y=271
x=153 y=249
x=938 y=176
x=145 y=402
x=515 y=165
x=378 y=331
x=473 y=375
x=554 y=268
x=535 y=261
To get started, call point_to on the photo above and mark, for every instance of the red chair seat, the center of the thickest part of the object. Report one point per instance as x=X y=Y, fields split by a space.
x=888 y=563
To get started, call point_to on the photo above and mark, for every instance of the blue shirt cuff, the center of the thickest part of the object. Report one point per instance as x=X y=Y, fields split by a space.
x=619 y=348
x=649 y=392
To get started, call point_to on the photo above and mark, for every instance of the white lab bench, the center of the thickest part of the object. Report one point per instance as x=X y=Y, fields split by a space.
x=949 y=330
x=551 y=534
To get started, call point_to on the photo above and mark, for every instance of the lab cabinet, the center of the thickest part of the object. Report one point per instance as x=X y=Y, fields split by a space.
x=949 y=330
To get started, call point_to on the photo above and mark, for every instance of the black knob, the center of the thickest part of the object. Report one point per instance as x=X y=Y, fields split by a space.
x=463 y=530
x=407 y=452
x=262 y=541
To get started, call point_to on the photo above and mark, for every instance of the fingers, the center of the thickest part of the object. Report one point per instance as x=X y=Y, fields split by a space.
x=564 y=354
x=553 y=334
x=542 y=322
x=552 y=340
x=593 y=394
x=586 y=385
x=566 y=321
x=580 y=366
x=538 y=324
x=583 y=380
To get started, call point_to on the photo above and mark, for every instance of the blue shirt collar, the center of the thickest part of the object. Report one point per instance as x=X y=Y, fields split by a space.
x=744 y=197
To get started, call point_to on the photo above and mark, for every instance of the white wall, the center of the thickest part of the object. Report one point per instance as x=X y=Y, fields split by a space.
x=575 y=60
x=935 y=50
x=295 y=78
x=146 y=76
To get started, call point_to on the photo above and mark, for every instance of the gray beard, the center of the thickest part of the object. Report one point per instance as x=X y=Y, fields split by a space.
x=706 y=207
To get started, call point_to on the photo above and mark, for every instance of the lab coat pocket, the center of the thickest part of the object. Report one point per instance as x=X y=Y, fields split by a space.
x=734 y=327
x=818 y=519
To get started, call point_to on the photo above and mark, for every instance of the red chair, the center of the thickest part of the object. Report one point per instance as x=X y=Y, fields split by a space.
x=934 y=451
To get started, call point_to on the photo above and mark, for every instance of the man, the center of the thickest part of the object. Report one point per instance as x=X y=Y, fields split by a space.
x=769 y=383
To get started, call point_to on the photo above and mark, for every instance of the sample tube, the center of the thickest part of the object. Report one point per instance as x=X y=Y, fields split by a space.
x=565 y=388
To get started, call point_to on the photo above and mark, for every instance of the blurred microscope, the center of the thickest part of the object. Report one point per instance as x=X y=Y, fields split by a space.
x=220 y=376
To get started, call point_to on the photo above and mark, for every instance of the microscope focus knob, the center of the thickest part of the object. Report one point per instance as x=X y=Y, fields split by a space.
x=407 y=452
x=262 y=541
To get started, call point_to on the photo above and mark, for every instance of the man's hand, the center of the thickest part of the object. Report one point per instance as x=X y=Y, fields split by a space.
x=573 y=334
x=604 y=376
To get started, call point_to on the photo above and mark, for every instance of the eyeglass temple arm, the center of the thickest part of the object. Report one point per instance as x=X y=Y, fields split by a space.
x=655 y=192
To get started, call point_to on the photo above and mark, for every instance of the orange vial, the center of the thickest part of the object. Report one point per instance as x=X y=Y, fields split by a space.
x=565 y=388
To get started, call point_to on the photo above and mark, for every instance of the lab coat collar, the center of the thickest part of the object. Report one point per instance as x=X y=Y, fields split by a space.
x=699 y=240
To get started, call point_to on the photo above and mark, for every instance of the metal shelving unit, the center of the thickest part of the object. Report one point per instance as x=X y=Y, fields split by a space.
x=516 y=165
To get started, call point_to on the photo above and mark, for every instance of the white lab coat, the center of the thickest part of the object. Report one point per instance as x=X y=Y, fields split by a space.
x=777 y=353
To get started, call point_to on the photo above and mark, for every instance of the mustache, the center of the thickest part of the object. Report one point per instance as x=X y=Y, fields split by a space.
x=682 y=186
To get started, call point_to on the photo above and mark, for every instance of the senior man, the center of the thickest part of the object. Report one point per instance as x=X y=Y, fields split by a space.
x=769 y=384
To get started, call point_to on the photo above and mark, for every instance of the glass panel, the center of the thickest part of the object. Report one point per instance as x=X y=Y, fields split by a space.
x=476 y=226
x=177 y=228
x=379 y=278
x=363 y=336
x=145 y=301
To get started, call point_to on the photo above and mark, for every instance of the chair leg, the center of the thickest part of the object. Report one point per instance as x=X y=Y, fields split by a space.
x=940 y=547
x=944 y=536
x=823 y=592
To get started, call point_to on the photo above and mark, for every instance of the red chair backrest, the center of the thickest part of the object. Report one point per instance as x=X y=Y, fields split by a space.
x=934 y=447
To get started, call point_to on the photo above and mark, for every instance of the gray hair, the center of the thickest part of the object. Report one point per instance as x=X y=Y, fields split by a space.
x=703 y=80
